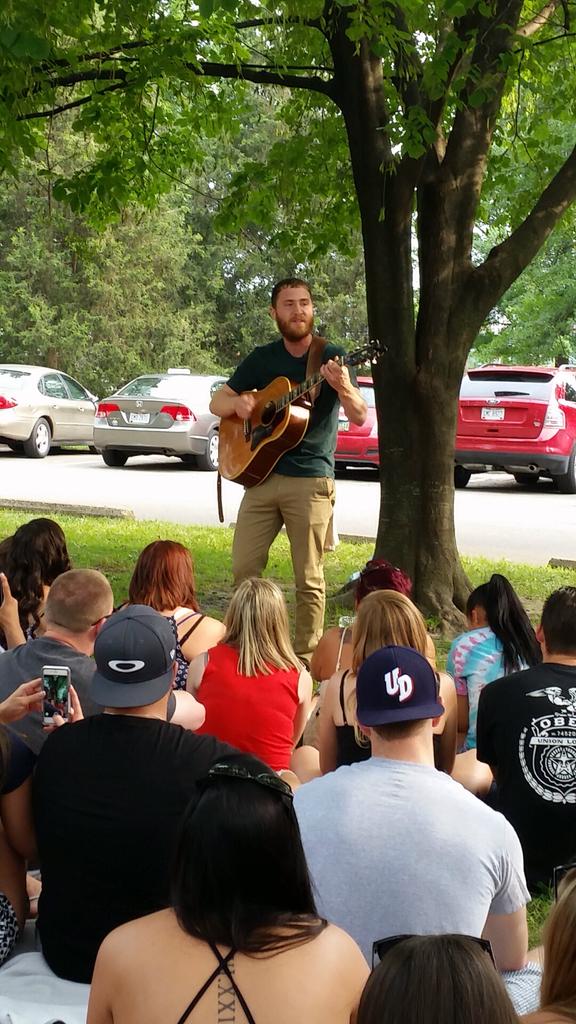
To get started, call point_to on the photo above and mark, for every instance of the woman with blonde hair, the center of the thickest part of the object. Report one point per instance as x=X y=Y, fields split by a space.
x=384 y=617
x=256 y=692
x=558 y=988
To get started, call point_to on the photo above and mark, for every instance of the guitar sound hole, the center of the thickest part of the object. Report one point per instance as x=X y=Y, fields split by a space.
x=268 y=413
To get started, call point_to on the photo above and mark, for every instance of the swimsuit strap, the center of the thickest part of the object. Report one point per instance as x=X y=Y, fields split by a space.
x=223 y=966
x=182 y=640
x=342 y=639
x=344 y=674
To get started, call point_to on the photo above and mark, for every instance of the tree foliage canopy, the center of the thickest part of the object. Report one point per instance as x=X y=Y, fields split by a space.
x=407 y=117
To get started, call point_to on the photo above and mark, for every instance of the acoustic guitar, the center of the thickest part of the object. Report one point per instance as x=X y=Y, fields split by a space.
x=249 y=449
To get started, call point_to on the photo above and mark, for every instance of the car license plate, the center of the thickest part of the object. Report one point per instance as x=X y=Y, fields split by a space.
x=343 y=424
x=492 y=414
x=138 y=417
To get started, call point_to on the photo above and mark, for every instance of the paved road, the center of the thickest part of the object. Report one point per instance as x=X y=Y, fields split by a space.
x=494 y=517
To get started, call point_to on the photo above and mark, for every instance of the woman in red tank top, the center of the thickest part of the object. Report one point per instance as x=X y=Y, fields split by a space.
x=256 y=693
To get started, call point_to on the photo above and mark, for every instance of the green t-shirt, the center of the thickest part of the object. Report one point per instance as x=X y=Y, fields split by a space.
x=314 y=456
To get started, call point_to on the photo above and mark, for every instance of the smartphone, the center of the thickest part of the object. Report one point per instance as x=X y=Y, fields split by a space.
x=56 y=683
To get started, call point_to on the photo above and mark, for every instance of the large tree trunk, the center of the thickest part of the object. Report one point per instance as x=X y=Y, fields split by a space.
x=419 y=372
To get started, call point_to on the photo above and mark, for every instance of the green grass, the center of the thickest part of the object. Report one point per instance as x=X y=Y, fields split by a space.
x=538 y=910
x=113 y=545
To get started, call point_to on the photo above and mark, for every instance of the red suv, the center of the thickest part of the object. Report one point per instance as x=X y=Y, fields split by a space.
x=520 y=419
x=358 y=446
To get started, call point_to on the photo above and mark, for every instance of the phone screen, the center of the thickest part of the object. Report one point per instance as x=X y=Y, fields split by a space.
x=56 y=683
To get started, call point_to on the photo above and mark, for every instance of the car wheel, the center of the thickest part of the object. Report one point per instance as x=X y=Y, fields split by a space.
x=209 y=459
x=114 y=458
x=566 y=482
x=37 y=445
x=189 y=460
x=527 y=479
x=461 y=476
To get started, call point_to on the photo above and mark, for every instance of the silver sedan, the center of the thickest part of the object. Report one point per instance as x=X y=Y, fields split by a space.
x=40 y=407
x=160 y=414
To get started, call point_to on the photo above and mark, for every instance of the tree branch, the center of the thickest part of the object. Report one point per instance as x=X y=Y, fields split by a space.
x=506 y=261
x=262 y=76
x=70 y=106
x=536 y=23
x=274 y=22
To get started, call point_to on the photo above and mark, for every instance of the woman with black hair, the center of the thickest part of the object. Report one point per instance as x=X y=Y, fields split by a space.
x=243 y=941
x=501 y=640
x=36 y=556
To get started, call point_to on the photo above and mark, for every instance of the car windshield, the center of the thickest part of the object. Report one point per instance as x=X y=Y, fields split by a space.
x=184 y=388
x=14 y=380
x=514 y=384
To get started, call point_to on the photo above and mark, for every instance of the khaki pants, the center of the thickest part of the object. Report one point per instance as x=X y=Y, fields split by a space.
x=304 y=505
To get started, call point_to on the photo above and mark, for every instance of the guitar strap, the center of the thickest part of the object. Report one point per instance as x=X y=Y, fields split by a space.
x=315 y=354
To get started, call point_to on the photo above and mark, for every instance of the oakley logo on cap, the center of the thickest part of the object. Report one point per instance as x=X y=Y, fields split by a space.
x=397 y=684
x=126 y=666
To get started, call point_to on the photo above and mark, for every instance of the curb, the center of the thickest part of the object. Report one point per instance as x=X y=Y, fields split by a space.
x=16 y=504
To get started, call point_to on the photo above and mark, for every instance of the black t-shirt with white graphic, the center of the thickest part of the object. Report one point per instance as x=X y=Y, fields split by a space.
x=527 y=733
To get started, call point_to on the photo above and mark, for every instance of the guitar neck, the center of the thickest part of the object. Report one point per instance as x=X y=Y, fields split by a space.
x=299 y=390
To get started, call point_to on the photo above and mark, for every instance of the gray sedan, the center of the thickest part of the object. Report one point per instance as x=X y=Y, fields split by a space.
x=40 y=407
x=160 y=414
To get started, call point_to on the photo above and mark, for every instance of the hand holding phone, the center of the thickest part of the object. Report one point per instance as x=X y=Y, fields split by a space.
x=56 y=683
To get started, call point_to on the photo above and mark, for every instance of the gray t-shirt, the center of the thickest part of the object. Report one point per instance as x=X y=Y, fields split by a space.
x=400 y=848
x=20 y=664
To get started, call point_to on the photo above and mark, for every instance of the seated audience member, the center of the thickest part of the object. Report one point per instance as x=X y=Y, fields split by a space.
x=558 y=988
x=109 y=792
x=334 y=650
x=527 y=734
x=435 y=979
x=77 y=605
x=17 y=841
x=37 y=555
x=384 y=617
x=163 y=578
x=256 y=692
x=500 y=641
x=395 y=846
x=11 y=632
x=243 y=928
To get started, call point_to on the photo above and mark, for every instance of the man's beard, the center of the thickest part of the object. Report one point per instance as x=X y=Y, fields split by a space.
x=295 y=329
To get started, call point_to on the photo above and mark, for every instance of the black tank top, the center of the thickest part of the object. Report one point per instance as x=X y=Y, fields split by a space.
x=348 y=750
x=223 y=967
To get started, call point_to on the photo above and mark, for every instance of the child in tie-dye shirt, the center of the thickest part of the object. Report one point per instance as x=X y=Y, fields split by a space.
x=500 y=641
x=475 y=659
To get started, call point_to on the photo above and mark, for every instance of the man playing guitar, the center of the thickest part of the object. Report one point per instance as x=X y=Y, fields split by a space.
x=299 y=493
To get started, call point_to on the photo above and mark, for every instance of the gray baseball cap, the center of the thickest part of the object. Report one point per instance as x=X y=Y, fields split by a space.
x=134 y=654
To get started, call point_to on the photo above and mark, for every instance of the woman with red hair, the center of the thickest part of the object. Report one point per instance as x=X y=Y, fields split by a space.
x=163 y=578
x=334 y=650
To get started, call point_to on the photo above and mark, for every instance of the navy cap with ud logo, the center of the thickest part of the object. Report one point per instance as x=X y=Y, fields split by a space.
x=396 y=684
x=134 y=654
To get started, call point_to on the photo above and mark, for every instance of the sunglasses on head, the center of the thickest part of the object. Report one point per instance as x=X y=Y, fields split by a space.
x=563 y=873
x=383 y=946
x=238 y=771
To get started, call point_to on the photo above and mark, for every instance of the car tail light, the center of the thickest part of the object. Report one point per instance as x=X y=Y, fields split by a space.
x=7 y=403
x=555 y=417
x=180 y=413
x=104 y=408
